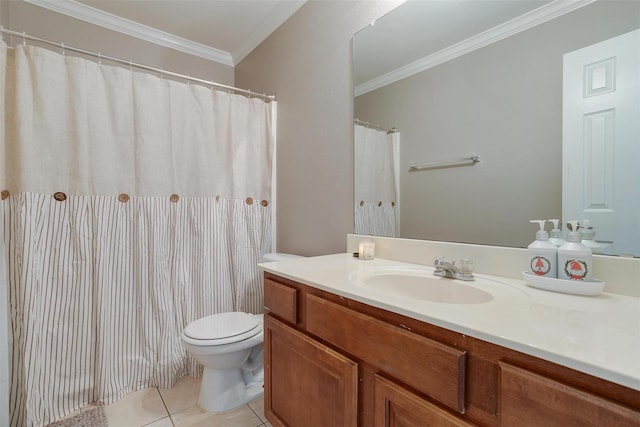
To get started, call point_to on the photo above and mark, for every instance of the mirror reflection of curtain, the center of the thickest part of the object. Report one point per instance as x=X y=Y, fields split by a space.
x=135 y=205
x=376 y=177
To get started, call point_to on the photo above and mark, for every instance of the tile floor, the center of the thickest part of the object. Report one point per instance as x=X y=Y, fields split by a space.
x=177 y=407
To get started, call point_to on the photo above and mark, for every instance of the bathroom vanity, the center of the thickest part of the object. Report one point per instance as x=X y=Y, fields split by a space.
x=342 y=352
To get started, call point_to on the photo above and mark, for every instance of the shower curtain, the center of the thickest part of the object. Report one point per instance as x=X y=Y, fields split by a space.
x=132 y=206
x=376 y=177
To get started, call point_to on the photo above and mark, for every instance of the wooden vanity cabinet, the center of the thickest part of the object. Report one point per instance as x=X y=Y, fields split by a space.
x=332 y=361
x=395 y=406
x=308 y=384
x=426 y=365
x=529 y=398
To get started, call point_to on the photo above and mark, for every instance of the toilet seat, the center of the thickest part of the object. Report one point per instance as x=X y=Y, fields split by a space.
x=223 y=328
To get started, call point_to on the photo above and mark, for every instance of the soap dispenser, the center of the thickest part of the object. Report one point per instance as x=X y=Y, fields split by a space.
x=555 y=237
x=574 y=258
x=543 y=259
x=587 y=233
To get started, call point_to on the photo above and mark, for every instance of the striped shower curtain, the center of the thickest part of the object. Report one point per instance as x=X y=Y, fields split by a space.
x=376 y=180
x=132 y=205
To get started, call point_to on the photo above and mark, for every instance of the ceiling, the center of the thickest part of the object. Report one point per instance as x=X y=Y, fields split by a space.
x=224 y=31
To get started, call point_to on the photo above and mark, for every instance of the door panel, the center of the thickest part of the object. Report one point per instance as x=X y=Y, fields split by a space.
x=601 y=141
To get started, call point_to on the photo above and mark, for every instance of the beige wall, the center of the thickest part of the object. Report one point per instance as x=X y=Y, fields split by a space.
x=307 y=63
x=4 y=13
x=37 y=21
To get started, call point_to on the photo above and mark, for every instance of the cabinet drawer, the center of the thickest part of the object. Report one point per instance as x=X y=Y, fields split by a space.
x=527 y=396
x=427 y=365
x=395 y=407
x=281 y=300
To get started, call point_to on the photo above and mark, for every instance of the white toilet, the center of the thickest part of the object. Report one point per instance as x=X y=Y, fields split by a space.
x=229 y=346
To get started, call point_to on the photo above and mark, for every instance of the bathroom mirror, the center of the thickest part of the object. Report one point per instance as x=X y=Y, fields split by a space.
x=464 y=78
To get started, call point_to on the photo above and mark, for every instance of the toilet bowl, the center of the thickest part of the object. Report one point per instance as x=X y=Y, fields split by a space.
x=229 y=346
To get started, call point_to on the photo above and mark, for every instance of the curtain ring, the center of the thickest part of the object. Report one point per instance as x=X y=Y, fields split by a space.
x=174 y=198
x=379 y=204
x=4 y=194
x=124 y=198
x=361 y=202
x=264 y=203
x=218 y=199
x=393 y=203
x=249 y=201
x=60 y=196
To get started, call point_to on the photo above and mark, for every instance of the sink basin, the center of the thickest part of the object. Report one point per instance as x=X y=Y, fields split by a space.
x=434 y=289
x=421 y=284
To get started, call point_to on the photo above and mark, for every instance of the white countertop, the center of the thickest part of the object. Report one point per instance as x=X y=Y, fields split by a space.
x=598 y=335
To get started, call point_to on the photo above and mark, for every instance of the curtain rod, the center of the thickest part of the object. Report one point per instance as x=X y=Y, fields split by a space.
x=64 y=47
x=375 y=126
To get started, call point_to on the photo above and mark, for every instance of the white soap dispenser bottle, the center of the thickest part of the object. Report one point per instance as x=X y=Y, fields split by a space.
x=555 y=237
x=543 y=255
x=574 y=258
x=587 y=233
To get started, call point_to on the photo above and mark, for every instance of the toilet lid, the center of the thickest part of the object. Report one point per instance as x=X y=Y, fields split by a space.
x=223 y=326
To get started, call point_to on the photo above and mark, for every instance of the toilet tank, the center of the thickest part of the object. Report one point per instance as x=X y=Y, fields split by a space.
x=277 y=256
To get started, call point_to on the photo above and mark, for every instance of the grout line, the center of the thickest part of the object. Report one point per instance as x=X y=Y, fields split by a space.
x=263 y=422
x=255 y=413
x=171 y=419
x=165 y=407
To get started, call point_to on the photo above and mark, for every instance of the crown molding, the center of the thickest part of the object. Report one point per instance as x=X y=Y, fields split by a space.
x=283 y=11
x=134 y=29
x=524 y=22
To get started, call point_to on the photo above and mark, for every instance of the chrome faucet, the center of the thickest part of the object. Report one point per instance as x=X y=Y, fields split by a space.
x=450 y=270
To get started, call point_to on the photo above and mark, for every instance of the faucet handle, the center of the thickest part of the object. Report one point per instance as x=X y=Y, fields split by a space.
x=439 y=261
x=444 y=268
x=466 y=268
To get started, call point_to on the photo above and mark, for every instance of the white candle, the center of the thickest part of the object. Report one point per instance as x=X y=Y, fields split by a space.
x=366 y=249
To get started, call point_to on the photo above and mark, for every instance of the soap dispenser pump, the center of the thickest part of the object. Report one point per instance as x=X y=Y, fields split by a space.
x=574 y=258
x=555 y=237
x=543 y=255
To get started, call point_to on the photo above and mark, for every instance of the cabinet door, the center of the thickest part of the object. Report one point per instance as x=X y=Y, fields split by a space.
x=398 y=407
x=529 y=399
x=306 y=383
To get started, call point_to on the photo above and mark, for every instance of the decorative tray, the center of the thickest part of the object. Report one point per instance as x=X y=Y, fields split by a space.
x=575 y=287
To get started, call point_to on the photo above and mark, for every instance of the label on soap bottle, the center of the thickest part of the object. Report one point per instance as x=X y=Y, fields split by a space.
x=540 y=266
x=575 y=269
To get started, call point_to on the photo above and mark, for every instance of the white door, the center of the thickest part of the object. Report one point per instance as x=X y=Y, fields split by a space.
x=601 y=141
